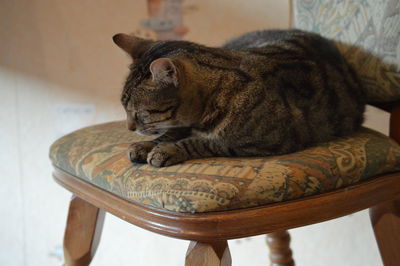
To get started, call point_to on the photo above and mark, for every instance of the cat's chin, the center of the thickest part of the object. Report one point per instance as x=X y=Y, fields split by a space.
x=147 y=133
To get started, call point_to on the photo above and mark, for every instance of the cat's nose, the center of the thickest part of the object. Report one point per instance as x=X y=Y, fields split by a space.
x=131 y=125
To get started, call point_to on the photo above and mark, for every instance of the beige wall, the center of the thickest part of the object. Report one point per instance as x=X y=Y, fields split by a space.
x=68 y=43
x=59 y=70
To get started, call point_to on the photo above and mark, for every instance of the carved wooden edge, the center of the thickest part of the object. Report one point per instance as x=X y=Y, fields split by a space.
x=212 y=226
x=279 y=245
x=208 y=254
x=394 y=126
x=82 y=232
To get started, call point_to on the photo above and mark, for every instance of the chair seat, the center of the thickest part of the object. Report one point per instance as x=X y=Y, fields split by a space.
x=98 y=155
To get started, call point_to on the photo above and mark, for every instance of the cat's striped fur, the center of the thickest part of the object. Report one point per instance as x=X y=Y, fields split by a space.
x=264 y=93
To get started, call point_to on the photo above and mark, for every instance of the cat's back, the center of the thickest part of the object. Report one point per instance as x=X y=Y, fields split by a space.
x=308 y=86
x=259 y=38
x=288 y=42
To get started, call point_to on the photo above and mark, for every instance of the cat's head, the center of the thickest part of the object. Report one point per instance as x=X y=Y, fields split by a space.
x=157 y=83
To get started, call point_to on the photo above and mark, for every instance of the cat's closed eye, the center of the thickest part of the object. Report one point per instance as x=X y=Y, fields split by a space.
x=142 y=116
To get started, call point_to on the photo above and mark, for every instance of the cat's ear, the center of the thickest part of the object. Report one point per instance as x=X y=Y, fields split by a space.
x=164 y=70
x=133 y=45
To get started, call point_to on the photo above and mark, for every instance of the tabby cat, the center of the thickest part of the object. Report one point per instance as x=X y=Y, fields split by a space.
x=264 y=93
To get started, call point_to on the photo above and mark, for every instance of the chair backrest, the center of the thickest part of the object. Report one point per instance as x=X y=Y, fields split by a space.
x=368 y=35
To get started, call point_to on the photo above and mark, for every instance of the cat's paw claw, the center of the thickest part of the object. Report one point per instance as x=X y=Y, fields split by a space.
x=165 y=155
x=137 y=152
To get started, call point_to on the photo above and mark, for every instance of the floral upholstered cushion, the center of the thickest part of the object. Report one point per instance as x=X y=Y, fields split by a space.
x=98 y=155
x=368 y=35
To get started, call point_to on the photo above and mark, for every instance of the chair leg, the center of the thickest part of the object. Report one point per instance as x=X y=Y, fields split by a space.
x=385 y=219
x=82 y=233
x=208 y=254
x=279 y=246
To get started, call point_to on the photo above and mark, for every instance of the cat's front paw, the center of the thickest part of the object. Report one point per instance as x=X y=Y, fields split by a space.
x=166 y=154
x=138 y=151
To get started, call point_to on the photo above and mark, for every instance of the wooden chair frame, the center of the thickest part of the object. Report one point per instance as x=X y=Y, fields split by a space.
x=209 y=232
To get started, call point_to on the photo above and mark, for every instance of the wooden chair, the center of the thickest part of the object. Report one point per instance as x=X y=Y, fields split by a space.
x=209 y=231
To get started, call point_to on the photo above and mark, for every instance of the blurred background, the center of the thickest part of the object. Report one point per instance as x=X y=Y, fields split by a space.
x=59 y=71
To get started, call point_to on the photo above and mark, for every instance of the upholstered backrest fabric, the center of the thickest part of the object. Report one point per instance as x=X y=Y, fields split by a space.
x=368 y=35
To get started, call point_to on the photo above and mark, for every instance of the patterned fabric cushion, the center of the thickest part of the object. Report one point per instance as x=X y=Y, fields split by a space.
x=98 y=155
x=368 y=35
